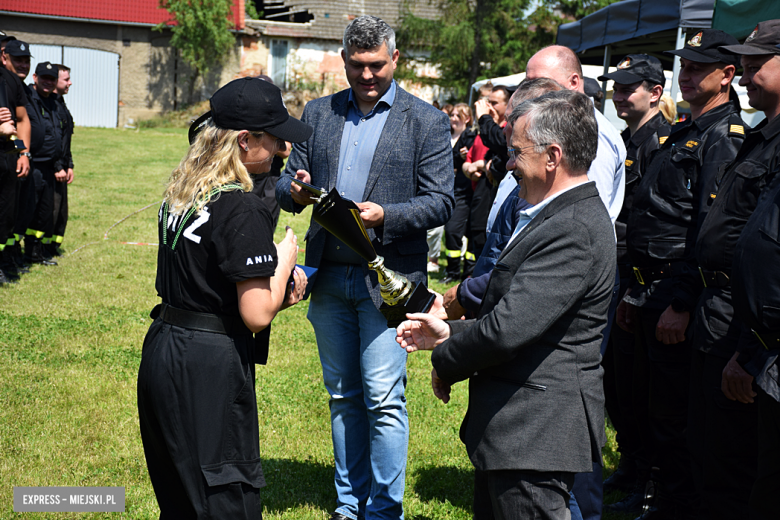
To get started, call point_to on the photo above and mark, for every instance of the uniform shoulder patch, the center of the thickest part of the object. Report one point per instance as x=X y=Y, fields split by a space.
x=662 y=139
x=737 y=129
x=736 y=126
x=629 y=162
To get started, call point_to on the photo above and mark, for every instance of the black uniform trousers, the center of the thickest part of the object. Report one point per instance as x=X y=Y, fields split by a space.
x=764 y=498
x=722 y=441
x=42 y=221
x=456 y=228
x=625 y=390
x=669 y=386
x=481 y=203
x=60 y=214
x=26 y=204
x=8 y=194
x=198 y=418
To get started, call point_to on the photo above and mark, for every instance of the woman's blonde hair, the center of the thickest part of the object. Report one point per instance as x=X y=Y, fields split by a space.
x=668 y=108
x=212 y=160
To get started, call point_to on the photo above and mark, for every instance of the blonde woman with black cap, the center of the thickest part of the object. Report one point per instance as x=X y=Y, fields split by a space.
x=222 y=280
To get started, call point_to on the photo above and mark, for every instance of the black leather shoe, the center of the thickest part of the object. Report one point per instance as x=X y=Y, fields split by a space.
x=4 y=280
x=624 y=477
x=450 y=279
x=339 y=516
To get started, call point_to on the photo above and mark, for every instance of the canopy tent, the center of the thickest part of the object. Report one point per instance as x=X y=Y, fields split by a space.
x=636 y=26
x=739 y=17
x=630 y=26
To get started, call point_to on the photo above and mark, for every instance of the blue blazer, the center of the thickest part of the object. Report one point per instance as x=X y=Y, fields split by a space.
x=410 y=177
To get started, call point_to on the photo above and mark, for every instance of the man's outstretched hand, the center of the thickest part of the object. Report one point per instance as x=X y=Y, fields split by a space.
x=421 y=332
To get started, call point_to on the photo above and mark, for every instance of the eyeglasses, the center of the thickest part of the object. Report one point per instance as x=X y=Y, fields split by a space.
x=513 y=152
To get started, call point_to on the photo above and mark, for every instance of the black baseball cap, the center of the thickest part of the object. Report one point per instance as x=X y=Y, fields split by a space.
x=704 y=47
x=635 y=68
x=252 y=104
x=591 y=87
x=45 y=68
x=17 y=48
x=765 y=39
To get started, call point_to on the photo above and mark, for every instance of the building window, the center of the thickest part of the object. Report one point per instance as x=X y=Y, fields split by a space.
x=279 y=49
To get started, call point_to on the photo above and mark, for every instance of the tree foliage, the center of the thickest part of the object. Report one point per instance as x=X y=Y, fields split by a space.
x=201 y=30
x=475 y=39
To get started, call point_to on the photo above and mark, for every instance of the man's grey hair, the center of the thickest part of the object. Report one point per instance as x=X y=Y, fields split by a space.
x=368 y=32
x=565 y=118
x=529 y=89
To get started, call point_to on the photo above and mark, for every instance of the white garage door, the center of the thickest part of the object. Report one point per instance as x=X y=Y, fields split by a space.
x=94 y=97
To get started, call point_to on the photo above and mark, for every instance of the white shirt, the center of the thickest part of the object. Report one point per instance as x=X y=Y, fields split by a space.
x=505 y=187
x=608 y=169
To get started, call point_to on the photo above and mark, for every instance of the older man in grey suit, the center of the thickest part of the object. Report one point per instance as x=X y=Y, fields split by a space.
x=389 y=152
x=536 y=403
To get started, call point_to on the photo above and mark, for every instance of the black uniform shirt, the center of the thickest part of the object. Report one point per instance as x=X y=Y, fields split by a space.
x=462 y=183
x=639 y=149
x=732 y=202
x=492 y=135
x=228 y=241
x=756 y=287
x=14 y=97
x=37 y=127
x=46 y=108
x=667 y=205
x=67 y=128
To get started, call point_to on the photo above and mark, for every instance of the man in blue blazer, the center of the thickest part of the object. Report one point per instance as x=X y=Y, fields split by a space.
x=389 y=152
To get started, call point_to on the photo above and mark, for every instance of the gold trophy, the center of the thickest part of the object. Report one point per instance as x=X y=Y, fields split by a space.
x=341 y=218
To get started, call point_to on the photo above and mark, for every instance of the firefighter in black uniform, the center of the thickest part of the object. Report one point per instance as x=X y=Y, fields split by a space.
x=668 y=206
x=724 y=470
x=639 y=85
x=458 y=225
x=14 y=168
x=756 y=293
x=18 y=61
x=61 y=187
x=47 y=165
x=221 y=279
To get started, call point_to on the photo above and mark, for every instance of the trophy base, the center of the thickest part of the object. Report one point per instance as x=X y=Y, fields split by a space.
x=421 y=300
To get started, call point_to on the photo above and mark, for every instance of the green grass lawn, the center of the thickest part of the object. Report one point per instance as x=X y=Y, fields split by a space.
x=70 y=346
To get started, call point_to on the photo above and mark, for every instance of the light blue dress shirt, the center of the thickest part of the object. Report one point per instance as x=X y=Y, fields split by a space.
x=358 y=144
x=527 y=215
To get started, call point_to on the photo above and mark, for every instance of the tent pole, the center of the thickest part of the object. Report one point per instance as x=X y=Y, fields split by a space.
x=607 y=59
x=675 y=88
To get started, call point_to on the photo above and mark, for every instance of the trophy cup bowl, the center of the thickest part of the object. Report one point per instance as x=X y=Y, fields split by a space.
x=341 y=218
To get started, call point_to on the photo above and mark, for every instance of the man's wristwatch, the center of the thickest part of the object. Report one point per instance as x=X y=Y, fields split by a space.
x=26 y=154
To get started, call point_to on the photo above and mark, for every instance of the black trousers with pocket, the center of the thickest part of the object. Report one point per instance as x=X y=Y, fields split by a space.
x=198 y=418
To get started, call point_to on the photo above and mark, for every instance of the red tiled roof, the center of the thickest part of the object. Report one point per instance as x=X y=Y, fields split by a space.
x=130 y=11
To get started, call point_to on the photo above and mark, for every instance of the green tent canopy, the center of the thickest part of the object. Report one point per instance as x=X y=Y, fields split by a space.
x=739 y=17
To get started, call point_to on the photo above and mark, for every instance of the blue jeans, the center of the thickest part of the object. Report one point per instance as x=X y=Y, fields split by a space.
x=364 y=371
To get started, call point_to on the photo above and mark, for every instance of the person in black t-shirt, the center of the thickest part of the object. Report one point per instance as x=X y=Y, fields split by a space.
x=221 y=279
x=13 y=167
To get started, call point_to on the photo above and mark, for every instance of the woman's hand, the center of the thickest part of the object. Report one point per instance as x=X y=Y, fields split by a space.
x=287 y=250
x=296 y=289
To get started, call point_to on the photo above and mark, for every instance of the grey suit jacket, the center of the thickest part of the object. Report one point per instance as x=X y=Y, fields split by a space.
x=410 y=177
x=536 y=400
